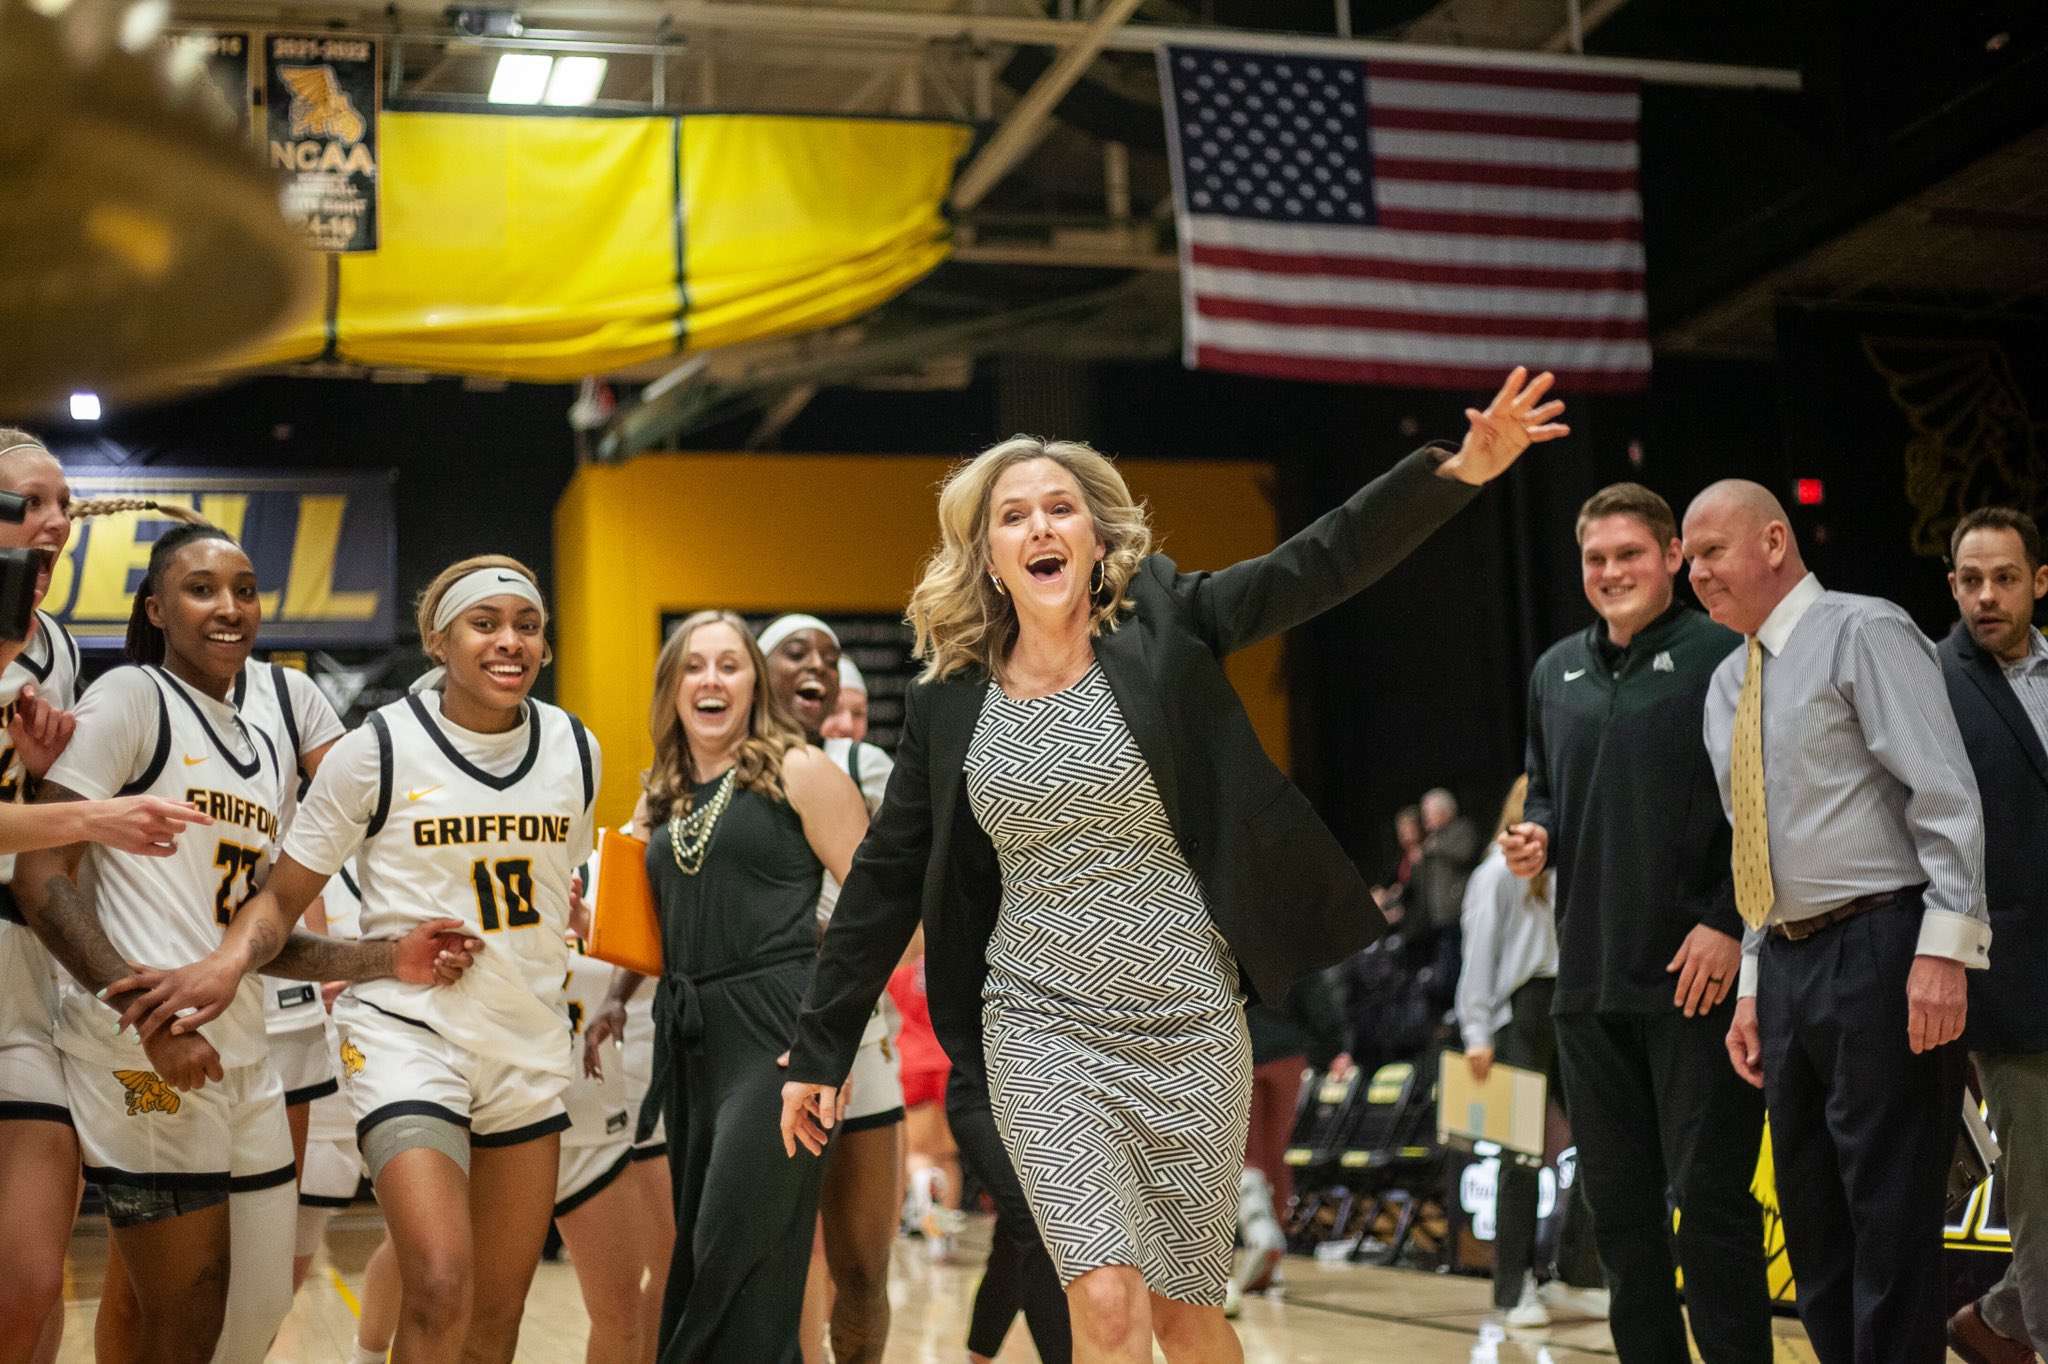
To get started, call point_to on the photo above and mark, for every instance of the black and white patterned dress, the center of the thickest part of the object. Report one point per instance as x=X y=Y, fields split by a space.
x=1116 y=1047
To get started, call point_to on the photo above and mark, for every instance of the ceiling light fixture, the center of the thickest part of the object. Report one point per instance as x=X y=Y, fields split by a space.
x=575 y=82
x=521 y=78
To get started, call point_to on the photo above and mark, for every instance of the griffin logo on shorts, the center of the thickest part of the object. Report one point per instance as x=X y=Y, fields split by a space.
x=351 y=1058
x=147 y=1093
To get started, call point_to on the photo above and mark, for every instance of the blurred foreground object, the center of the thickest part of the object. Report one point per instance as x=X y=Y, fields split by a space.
x=140 y=235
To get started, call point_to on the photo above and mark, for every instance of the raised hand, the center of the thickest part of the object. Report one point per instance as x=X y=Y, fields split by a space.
x=1511 y=423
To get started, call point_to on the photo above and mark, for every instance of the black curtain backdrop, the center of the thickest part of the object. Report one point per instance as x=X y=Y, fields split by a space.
x=1910 y=419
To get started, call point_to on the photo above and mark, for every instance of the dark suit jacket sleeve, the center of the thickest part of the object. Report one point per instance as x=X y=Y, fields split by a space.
x=875 y=918
x=1331 y=560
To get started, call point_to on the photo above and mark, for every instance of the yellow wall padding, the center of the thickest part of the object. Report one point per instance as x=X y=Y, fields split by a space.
x=771 y=533
x=546 y=248
x=529 y=247
x=798 y=223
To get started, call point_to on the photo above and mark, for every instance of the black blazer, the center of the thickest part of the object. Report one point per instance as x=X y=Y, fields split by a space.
x=1282 y=892
x=2012 y=789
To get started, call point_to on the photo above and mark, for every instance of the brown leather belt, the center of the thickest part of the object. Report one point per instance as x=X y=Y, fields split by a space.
x=1798 y=930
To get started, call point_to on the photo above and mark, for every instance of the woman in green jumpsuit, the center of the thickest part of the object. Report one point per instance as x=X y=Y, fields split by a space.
x=745 y=818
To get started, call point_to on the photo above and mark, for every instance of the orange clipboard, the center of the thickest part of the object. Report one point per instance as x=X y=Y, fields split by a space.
x=625 y=930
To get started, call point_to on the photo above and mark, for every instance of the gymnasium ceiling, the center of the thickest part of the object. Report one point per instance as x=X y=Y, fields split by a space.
x=1908 y=168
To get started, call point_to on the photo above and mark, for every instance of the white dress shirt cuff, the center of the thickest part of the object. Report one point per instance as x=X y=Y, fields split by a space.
x=1945 y=933
x=1745 y=980
x=1477 y=1037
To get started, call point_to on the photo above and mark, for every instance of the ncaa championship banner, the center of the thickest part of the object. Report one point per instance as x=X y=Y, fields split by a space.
x=322 y=97
x=324 y=545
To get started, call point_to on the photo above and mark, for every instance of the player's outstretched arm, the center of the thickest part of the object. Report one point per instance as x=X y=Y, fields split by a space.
x=263 y=937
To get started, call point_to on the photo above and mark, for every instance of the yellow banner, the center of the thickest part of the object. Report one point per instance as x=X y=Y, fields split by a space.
x=551 y=247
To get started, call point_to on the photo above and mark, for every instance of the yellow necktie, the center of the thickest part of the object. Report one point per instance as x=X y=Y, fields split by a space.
x=1752 y=857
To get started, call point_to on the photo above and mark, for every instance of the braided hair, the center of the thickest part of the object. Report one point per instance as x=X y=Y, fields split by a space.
x=109 y=506
x=145 y=642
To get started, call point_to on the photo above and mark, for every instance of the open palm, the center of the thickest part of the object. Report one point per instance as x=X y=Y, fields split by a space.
x=1516 y=419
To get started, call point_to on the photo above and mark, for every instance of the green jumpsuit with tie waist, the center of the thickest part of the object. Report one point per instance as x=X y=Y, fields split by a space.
x=738 y=940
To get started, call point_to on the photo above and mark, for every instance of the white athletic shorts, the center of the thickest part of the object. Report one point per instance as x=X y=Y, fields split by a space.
x=391 y=1067
x=305 y=1064
x=587 y=1171
x=134 y=1130
x=31 y=1071
x=877 y=1084
x=639 y=1052
x=334 y=1170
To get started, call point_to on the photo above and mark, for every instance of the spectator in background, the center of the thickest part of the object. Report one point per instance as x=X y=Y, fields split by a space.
x=1996 y=666
x=849 y=718
x=1504 y=994
x=1622 y=804
x=1450 y=850
x=1306 y=1029
x=1408 y=838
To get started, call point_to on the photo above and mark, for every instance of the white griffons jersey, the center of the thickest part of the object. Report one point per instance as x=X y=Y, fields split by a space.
x=49 y=662
x=285 y=702
x=332 y=1118
x=141 y=731
x=485 y=828
x=597 y=1107
x=870 y=768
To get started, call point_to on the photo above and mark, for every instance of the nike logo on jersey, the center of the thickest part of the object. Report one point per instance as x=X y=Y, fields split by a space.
x=191 y=761
x=1575 y=676
x=422 y=793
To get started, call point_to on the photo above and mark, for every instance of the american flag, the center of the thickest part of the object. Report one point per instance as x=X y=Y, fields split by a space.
x=1392 y=222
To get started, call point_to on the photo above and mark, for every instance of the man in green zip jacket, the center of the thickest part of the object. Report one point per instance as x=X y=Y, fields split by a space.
x=1623 y=805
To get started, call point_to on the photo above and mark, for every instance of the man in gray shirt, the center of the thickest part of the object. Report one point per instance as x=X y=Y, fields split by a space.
x=1858 y=863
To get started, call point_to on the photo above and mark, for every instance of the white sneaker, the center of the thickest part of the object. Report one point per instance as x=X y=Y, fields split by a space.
x=1530 y=1311
x=1233 y=1300
x=1562 y=1298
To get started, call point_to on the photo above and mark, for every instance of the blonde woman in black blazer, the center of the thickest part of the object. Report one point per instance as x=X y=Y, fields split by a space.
x=1102 y=855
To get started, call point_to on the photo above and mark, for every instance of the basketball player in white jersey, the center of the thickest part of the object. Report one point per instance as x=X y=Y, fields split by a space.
x=333 y=1169
x=612 y=1234
x=286 y=702
x=38 y=686
x=184 y=1133
x=466 y=796
x=646 y=1181
x=858 y=1206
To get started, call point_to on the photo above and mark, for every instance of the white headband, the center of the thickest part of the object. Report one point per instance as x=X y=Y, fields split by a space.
x=480 y=585
x=26 y=445
x=477 y=585
x=782 y=627
x=849 y=675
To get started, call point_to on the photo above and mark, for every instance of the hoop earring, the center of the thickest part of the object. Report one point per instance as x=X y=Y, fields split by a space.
x=1095 y=586
x=1001 y=591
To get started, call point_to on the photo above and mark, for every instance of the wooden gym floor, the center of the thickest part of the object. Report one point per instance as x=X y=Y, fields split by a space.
x=1327 y=1313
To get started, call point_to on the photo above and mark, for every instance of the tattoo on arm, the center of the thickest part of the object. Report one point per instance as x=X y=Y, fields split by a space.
x=309 y=956
x=63 y=918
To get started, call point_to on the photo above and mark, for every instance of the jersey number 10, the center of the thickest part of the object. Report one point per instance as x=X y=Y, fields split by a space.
x=509 y=880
